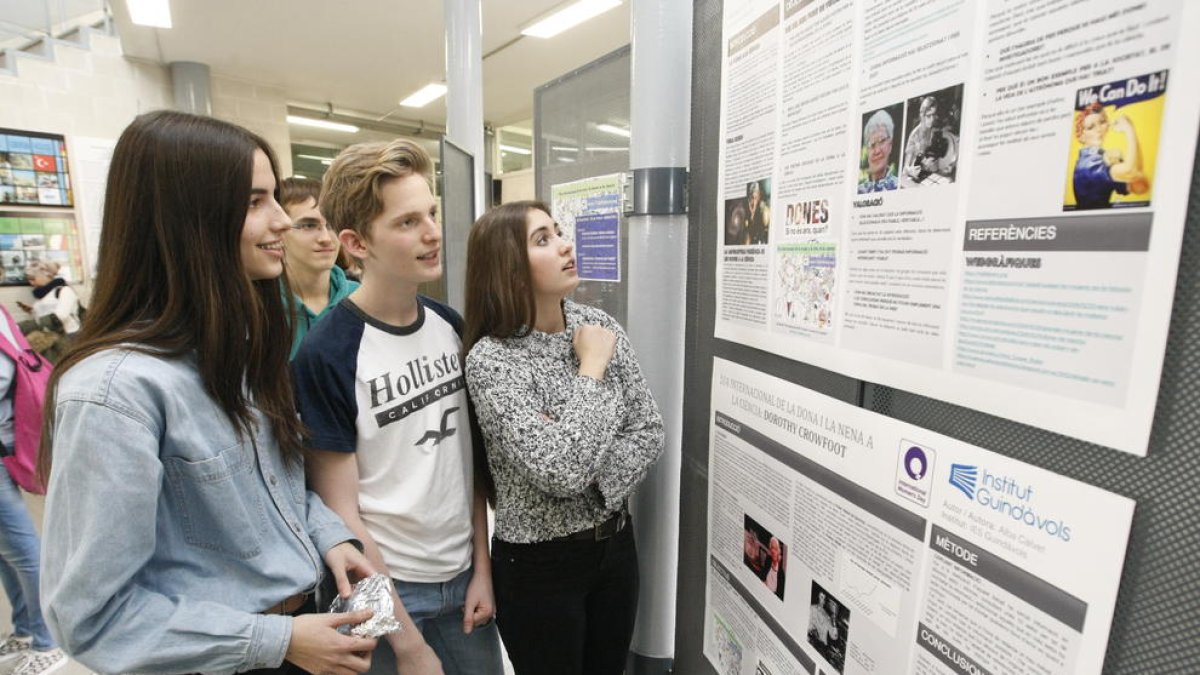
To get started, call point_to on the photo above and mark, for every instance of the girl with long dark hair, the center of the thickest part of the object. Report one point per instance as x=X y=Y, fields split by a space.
x=179 y=535
x=571 y=430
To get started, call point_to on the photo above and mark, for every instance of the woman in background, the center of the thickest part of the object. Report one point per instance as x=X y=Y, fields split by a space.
x=178 y=533
x=53 y=296
x=571 y=430
x=57 y=312
x=29 y=645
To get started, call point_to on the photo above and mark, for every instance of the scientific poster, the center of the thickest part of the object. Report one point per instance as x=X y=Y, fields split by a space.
x=844 y=542
x=982 y=202
x=589 y=213
x=92 y=159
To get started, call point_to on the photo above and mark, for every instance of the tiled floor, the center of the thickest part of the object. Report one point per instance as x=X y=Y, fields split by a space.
x=73 y=668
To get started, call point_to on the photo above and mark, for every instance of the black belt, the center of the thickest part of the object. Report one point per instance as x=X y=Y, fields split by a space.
x=615 y=523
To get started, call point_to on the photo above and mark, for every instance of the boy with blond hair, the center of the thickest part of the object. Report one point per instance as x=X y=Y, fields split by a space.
x=379 y=383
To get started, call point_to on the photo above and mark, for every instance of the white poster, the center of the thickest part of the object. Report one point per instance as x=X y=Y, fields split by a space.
x=92 y=157
x=842 y=541
x=981 y=202
x=589 y=213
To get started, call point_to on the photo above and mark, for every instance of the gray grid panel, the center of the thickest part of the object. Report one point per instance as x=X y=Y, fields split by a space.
x=565 y=112
x=1158 y=609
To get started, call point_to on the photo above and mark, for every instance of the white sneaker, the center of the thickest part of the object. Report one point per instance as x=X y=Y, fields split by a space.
x=41 y=663
x=14 y=647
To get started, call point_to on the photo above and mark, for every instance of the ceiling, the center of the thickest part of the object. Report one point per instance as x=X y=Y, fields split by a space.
x=363 y=56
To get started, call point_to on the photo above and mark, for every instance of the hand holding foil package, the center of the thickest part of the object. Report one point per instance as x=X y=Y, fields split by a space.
x=373 y=593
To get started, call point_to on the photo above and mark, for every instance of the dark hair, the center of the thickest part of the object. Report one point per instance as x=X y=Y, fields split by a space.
x=499 y=288
x=170 y=279
x=299 y=190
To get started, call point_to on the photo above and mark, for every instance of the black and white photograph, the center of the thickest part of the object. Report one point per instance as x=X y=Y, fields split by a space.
x=828 y=626
x=932 y=135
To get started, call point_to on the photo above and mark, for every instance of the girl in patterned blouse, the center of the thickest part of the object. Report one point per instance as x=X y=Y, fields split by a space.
x=571 y=429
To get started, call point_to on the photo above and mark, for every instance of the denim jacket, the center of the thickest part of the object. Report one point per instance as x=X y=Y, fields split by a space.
x=165 y=533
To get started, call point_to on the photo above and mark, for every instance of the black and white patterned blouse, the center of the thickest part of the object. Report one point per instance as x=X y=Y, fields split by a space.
x=565 y=450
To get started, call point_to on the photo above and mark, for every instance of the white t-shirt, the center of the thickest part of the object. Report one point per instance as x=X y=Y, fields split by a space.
x=396 y=397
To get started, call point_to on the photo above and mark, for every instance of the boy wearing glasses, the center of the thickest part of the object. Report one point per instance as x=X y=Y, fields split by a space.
x=312 y=249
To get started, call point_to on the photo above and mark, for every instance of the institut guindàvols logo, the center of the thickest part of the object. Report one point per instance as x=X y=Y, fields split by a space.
x=1006 y=495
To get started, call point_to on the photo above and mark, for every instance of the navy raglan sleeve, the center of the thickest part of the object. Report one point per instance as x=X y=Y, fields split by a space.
x=323 y=379
x=447 y=312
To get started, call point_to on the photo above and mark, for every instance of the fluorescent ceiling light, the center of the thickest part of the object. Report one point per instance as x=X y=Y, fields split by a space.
x=515 y=149
x=601 y=148
x=613 y=129
x=567 y=16
x=563 y=148
x=324 y=160
x=424 y=95
x=296 y=175
x=321 y=124
x=154 y=13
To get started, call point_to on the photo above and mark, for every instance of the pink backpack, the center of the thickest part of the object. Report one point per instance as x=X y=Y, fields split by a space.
x=28 y=395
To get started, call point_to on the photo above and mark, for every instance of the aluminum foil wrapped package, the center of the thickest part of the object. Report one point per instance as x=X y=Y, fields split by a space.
x=373 y=593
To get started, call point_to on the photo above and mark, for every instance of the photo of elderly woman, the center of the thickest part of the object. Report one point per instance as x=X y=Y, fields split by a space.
x=880 y=154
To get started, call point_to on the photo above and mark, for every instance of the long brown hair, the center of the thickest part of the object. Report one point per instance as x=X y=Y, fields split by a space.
x=499 y=292
x=170 y=280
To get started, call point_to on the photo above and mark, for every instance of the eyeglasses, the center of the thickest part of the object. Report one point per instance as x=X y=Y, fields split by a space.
x=312 y=227
x=878 y=143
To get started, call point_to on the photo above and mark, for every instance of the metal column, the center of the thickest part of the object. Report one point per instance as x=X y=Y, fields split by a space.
x=191 y=84
x=659 y=145
x=464 y=83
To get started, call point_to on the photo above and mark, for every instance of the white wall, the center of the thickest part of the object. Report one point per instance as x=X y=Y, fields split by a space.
x=91 y=92
x=96 y=92
x=517 y=186
x=82 y=92
x=260 y=108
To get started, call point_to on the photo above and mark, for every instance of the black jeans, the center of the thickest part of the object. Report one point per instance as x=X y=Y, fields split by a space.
x=567 y=607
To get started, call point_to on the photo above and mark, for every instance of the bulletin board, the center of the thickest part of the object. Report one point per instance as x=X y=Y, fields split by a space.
x=33 y=169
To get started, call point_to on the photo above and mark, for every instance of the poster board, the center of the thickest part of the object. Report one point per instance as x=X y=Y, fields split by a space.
x=34 y=170
x=92 y=158
x=977 y=202
x=589 y=213
x=26 y=236
x=841 y=541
